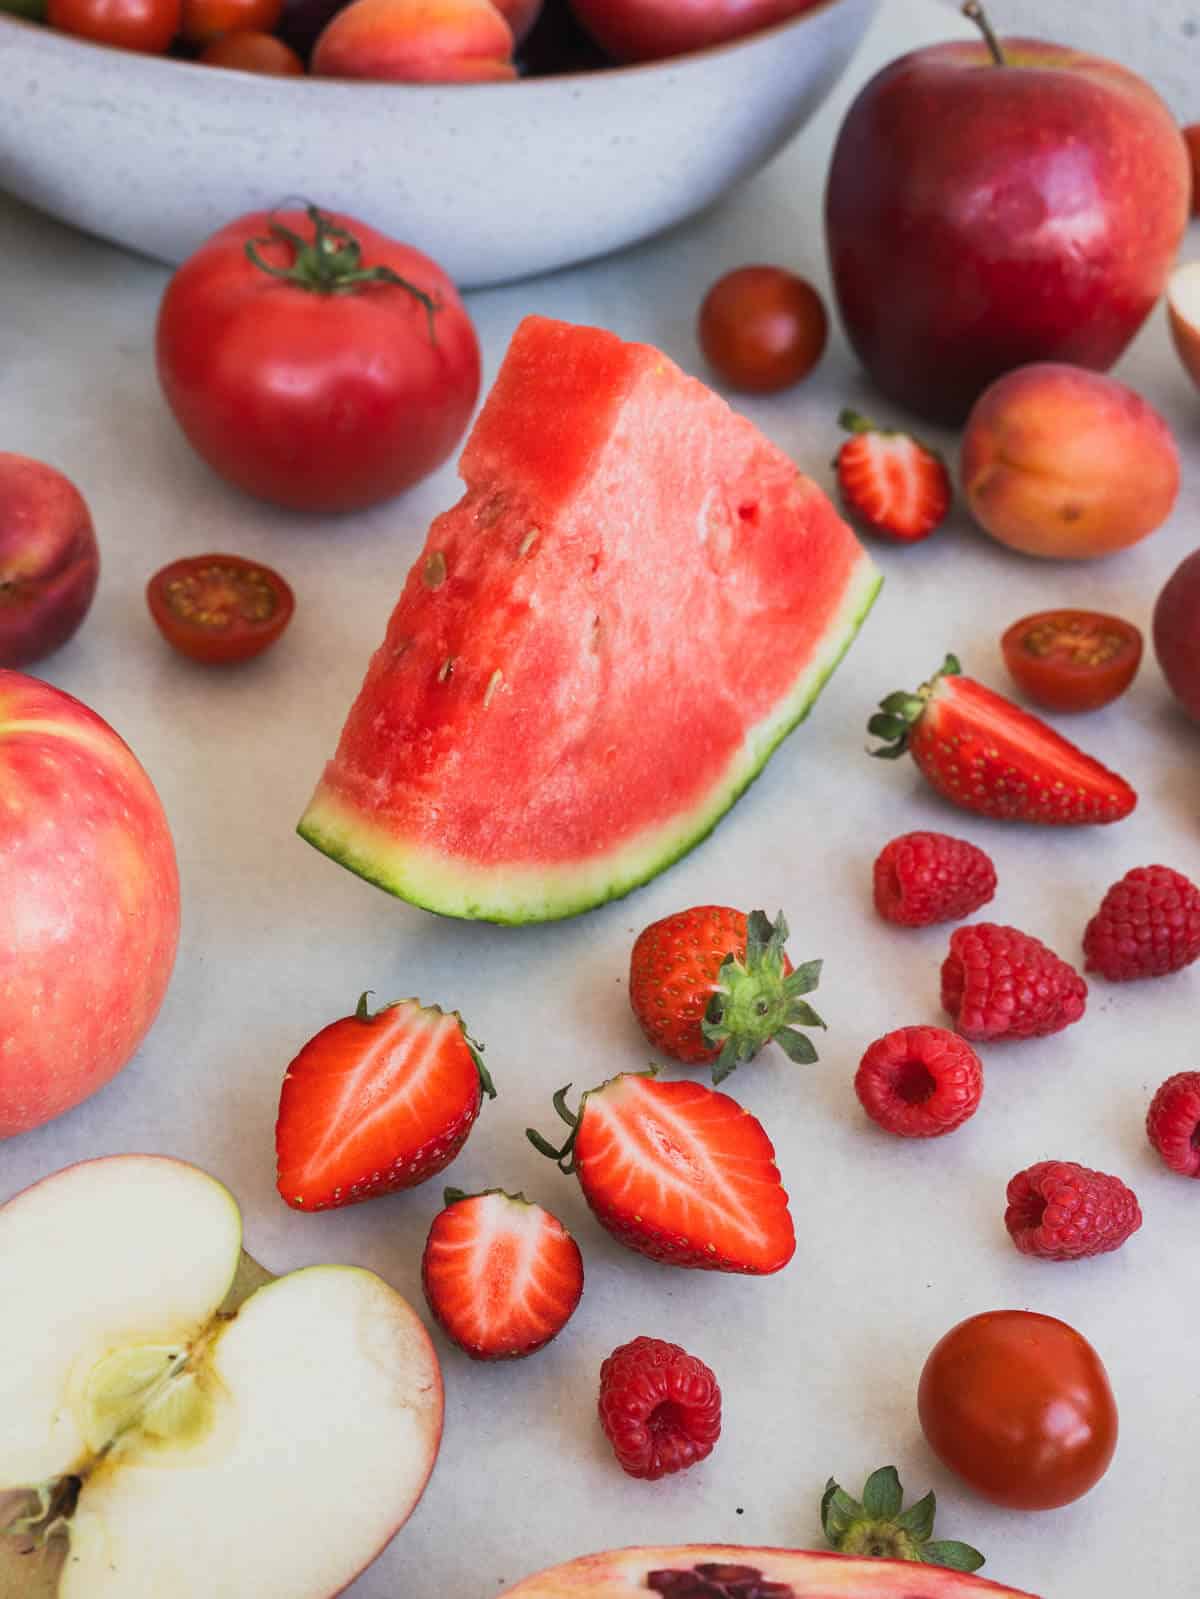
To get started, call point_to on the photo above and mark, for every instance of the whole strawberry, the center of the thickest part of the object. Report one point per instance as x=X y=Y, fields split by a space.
x=998 y=982
x=1059 y=1210
x=889 y=482
x=985 y=754
x=711 y=984
x=1148 y=925
x=660 y=1407
x=375 y=1102
x=919 y=1082
x=678 y=1172
x=921 y=878
x=1173 y=1123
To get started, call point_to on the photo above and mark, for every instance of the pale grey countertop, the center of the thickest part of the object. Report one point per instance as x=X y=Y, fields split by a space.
x=896 y=1241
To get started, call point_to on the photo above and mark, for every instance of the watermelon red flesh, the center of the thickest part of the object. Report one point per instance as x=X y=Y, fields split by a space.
x=599 y=646
x=804 y=1573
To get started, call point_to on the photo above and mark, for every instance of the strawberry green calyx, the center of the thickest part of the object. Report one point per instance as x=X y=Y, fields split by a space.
x=757 y=1000
x=455 y=1196
x=364 y=1013
x=564 y=1156
x=851 y=421
x=879 y=1528
x=899 y=713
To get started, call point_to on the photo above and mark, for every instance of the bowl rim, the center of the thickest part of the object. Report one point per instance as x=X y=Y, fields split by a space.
x=693 y=59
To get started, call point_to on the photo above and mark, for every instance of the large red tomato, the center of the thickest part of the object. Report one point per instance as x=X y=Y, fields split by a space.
x=1019 y=1405
x=315 y=362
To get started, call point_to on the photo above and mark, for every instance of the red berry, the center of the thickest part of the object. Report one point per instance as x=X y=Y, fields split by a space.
x=1173 y=1122
x=919 y=1082
x=1059 y=1210
x=998 y=982
x=1148 y=925
x=659 y=1406
x=891 y=483
x=930 y=877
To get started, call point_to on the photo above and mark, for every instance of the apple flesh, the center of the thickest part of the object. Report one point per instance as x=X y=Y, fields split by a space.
x=161 y=1412
x=416 y=41
x=49 y=561
x=1067 y=464
x=791 y=1573
x=89 y=902
x=652 y=30
x=1183 y=316
x=980 y=217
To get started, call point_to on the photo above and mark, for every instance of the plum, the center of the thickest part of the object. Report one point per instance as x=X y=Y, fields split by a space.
x=49 y=560
x=1177 y=633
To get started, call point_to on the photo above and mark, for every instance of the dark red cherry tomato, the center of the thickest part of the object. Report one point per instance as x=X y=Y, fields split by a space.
x=1019 y=1406
x=253 y=52
x=144 y=25
x=762 y=328
x=1072 y=660
x=219 y=608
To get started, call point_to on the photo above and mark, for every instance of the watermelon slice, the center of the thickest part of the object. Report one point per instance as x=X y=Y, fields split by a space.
x=600 y=645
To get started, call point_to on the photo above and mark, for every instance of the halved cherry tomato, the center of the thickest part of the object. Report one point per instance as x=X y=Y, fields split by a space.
x=1072 y=660
x=219 y=608
x=1019 y=1405
x=204 y=20
x=253 y=52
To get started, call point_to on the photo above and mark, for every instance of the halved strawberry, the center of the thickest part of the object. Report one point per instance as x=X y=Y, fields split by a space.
x=985 y=754
x=678 y=1172
x=375 y=1102
x=890 y=482
x=502 y=1275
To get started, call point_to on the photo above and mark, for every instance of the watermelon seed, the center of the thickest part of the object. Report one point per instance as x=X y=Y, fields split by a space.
x=528 y=541
x=493 y=683
x=445 y=669
x=434 y=574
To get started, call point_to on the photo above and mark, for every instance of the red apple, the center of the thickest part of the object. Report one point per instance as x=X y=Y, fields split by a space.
x=650 y=30
x=985 y=213
x=89 y=902
x=49 y=561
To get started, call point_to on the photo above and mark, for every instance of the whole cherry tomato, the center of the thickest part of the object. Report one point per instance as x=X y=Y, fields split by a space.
x=1019 y=1405
x=205 y=20
x=144 y=25
x=762 y=328
x=253 y=52
x=315 y=362
x=1072 y=660
x=219 y=608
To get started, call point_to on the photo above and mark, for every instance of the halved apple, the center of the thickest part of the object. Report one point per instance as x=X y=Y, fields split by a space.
x=166 y=1404
x=1183 y=315
x=698 y=1571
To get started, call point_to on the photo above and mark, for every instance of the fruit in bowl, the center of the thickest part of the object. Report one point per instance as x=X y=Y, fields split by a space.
x=653 y=30
x=417 y=41
x=1038 y=225
x=89 y=902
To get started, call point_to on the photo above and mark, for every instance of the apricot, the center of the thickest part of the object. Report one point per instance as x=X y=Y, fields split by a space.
x=416 y=41
x=1067 y=464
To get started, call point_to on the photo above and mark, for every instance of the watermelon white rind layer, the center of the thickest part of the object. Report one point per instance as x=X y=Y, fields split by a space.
x=514 y=893
x=804 y=1573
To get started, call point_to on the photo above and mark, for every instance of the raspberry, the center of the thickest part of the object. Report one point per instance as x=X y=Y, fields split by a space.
x=930 y=877
x=1059 y=1210
x=998 y=982
x=1173 y=1122
x=659 y=1406
x=1148 y=925
x=919 y=1082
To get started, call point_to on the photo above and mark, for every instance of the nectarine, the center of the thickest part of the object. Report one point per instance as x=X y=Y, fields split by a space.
x=416 y=41
x=1065 y=463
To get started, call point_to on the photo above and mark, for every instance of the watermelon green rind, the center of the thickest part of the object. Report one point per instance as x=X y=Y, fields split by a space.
x=514 y=894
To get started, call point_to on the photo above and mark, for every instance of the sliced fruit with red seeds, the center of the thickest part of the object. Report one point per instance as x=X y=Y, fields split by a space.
x=712 y=984
x=1173 y=1123
x=376 y=1102
x=890 y=482
x=502 y=1276
x=679 y=1172
x=985 y=754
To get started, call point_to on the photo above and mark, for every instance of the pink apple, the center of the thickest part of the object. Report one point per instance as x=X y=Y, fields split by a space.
x=48 y=559
x=984 y=213
x=89 y=902
x=651 y=30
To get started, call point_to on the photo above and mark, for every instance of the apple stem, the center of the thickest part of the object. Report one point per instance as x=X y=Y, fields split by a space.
x=973 y=9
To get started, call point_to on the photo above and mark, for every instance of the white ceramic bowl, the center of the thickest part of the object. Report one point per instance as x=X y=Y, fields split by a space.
x=495 y=181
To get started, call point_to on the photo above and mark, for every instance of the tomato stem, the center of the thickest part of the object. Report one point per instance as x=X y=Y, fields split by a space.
x=331 y=262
